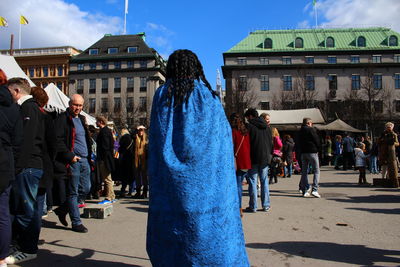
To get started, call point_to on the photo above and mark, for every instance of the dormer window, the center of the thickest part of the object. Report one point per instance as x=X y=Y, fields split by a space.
x=268 y=43
x=330 y=42
x=393 y=41
x=132 y=49
x=298 y=43
x=112 y=50
x=93 y=51
x=361 y=41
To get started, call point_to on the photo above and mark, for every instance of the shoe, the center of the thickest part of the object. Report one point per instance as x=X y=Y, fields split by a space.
x=307 y=192
x=316 y=194
x=45 y=215
x=79 y=228
x=82 y=205
x=137 y=195
x=18 y=257
x=105 y=201
x=266 y=209
x=248 y=209
x=62 y=217
x=13 y=249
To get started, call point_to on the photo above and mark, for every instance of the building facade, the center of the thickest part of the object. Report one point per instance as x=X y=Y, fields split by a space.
x=45 y=65
x=350 y=73
x=118 y=76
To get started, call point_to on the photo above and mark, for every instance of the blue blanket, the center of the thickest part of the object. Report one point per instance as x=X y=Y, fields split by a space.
x=194 y=217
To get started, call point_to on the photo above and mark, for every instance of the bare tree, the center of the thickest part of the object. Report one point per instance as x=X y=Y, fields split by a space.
x=240 y=96
x=304 y=93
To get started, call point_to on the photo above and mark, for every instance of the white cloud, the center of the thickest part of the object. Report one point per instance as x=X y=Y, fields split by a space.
x=160 y=38
x=54 y=23
x=359 y=13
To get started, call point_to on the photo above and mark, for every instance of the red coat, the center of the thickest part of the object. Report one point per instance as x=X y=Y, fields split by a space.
x=243 y=161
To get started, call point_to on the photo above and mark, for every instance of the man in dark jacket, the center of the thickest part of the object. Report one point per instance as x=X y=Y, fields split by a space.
x=27 y=221
x=309 y=146
x=73 y=160
x=261 y=154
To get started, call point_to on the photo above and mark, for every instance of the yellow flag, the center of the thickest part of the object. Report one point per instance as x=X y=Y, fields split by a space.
x=3 y=22
x=23 y=20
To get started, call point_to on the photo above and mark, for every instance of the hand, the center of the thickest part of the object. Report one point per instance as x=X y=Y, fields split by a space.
x=75 y=159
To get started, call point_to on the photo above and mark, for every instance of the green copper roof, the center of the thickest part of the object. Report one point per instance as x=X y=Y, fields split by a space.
x=315 y=40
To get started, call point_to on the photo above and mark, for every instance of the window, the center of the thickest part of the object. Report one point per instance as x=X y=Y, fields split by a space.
x=286 y=60
x=45 y=71
x=264 y=105
x=132 y=49
x=378 y=106
x=330 y=42
x=81 y=66
x=52 y=71
x=129 y=81
x=309 y=60
x=38 y=72
x=104 y=65
x=117 y=104
x=242 y=83
x=298 y=43
x=129 y=104
x=104 y=86
x=397 y=105
x=93 y=51
x=268 y=43
x=92 y=105
x=396 y=58
x=143 y=84
x=376 y=59
x=31 y=72
x=310 y=83
x=143 y=63
x=60 y=71
x=287 y=83
x=377 y=79
x=264 y=61
x=332 y=60
x=355 y=59
x=117 y=64
x=104 y=105
x=242 y=61
x=361 y=41
x=393 y=41
x=92 y=66
x=355 y=82
x=397 y=81
x=60 y=85
x=129 y=64
x=264 y=82
x=112 y=50
x=142 y=104
x=332 y=81
x=92 y=86
x=117 y=85
x=79 y=86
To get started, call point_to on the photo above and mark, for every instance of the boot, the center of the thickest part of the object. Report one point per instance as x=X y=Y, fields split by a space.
x=144 y=194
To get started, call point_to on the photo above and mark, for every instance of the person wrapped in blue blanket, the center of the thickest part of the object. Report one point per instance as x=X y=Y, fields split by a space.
x=193 y=217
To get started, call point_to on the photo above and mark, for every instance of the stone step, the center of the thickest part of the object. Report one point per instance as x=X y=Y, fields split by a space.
x=97 y=211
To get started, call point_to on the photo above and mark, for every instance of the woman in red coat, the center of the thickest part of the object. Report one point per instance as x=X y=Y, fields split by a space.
x=241 y=148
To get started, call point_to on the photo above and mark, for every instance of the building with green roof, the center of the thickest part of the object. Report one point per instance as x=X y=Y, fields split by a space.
x=118 y=76
x=328 y=68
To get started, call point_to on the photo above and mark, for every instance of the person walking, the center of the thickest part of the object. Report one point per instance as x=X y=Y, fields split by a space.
x=360 y=162
x=287 y=151
x=140 y=162
x=126 y=159
x=338 y=152
x=348 y=152
x=276 y=161
x=388 y=143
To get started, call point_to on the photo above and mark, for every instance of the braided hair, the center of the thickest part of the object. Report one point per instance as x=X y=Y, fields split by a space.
x=183 y=68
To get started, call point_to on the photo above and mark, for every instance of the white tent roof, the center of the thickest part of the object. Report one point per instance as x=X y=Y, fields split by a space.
x=294 y=116
x=59 y=102
x=339 y=125
x=12 y=69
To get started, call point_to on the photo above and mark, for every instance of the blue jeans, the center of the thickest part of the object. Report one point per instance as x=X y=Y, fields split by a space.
x=80 y=178
x=309 y=159
x=263 y=174
x=373 y=164
x=27 y=225
x=5 y=223
x=239 y=179
x=288 y=170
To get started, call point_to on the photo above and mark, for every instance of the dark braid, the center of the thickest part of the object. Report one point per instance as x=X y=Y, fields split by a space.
x=183 y=68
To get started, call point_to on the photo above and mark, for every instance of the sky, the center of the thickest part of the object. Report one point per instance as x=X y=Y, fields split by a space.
x=208 y=28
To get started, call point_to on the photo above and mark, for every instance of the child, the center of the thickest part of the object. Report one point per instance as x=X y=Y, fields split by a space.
x=360 y=162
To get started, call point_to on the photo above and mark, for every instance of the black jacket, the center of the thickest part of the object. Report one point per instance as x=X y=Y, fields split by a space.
x=65 y=130
x=10 y=137
x=105 y=148
x=261 y=144
x=287 y=150
x=126 y=156
x=49 y=151
x=33 y=134
x=309 y=140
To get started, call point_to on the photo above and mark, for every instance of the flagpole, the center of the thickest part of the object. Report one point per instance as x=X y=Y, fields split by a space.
x=126 y=12
x=316 y=14
x=19 y=39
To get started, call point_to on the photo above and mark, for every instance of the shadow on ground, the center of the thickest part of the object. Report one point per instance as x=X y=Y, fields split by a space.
x=369 y=199
x=351 y=254
x=383 y=211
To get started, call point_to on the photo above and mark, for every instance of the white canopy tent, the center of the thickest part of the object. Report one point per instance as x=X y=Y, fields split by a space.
x=12 y=69
x=339 y=125
x=59 y=102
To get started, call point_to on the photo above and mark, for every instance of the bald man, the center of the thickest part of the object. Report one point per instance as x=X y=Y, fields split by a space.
x=72 y=166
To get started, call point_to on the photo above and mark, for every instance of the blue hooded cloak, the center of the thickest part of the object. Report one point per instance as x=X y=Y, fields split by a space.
x=194 y=217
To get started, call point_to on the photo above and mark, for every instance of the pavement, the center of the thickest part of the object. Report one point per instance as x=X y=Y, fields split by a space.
x=350 y=225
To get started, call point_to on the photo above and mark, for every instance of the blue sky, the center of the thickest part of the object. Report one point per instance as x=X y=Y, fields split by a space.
x=209 y=28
